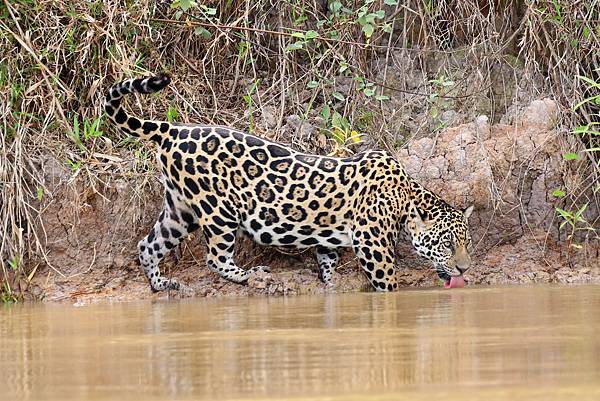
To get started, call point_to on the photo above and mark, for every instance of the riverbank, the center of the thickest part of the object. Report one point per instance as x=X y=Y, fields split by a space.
x=472 y=109
x=514 y=230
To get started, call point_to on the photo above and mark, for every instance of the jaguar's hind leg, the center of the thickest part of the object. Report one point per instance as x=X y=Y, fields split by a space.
x=327 y=258
x=220 y=242
x=174 y=224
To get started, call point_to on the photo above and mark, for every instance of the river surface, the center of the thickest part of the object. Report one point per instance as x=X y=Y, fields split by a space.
x=505 y=343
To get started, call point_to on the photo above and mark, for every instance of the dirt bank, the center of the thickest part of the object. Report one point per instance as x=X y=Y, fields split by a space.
x=507 y=170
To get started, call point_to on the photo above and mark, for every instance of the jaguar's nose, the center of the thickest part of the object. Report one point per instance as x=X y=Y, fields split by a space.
x=462 y=260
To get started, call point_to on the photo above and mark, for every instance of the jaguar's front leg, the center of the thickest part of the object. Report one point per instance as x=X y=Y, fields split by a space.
x=375 y=252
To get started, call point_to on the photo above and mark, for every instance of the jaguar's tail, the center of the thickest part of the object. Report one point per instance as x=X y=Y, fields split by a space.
x=153 y=130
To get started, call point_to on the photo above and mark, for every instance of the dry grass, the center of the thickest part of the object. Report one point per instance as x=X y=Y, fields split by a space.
x=58 y=57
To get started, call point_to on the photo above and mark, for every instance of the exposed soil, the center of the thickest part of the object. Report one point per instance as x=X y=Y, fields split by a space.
x=507 y=171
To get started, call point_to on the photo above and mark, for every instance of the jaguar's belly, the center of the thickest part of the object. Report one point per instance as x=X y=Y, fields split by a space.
x=297 y=236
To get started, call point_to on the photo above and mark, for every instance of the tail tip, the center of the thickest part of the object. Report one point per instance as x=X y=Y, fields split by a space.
x=159 y=81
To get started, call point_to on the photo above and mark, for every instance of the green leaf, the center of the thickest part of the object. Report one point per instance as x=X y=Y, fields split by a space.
x=172 y=114
x=312 y=85
x=571 y=156
x=40 y=193
x=582 y=129
x=335 y=7
x=369 y=92
x=210 y=10
x=390 y=2
x=205 y=33
x=310 y=35
x=298 y=35
x=338 y=135
x=589 y=81
x=341 y=123
x=382 y=97
x=338 y=96
x=584 y=101
x=379 y=14
x=368 y=29
x=74 y=165
x=336 y=120
x=253 y=87
x=186 y=4
x=295 y=46
x=580 y=212
x=326 y=113
x=558 y=193
x=434 y=112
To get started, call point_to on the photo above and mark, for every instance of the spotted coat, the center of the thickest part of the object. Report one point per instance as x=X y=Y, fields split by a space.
x=223 y=182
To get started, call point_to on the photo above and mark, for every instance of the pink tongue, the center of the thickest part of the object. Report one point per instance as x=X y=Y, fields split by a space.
x=455 y=282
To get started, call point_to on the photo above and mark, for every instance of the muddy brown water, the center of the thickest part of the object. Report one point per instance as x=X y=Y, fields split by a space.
x=507 y=343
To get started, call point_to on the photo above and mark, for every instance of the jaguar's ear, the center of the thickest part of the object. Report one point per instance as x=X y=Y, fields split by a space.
x=467 y=212
x=421 y=221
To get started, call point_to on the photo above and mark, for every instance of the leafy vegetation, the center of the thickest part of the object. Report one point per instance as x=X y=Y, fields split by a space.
x=589 y=136
x=355 y=68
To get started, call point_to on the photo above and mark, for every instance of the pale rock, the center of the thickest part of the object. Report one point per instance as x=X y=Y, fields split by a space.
x=543 y=113
x=449 y=117
x=269 y=116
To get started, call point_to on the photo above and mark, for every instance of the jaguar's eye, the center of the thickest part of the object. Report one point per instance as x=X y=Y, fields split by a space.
x=447 y=244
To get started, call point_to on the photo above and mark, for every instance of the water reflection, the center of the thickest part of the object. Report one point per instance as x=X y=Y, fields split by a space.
x=448 y=342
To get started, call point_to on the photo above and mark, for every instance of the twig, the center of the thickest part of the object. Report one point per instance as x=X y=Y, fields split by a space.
x=290 y=35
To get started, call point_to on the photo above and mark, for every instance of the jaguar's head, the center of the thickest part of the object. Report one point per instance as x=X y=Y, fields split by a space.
x=442 y=236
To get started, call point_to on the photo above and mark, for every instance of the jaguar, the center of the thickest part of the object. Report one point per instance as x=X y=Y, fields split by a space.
x=225 y=182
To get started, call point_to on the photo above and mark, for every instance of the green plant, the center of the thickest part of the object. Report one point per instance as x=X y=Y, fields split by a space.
x=7 y=296
x=589 y=135
x=60 y=56
x=575 y=221
x=338 y=128
x=172 y=114
x=207 y=14
x=302 y=39
x=250 y=102
x=14 y=263
x=364 y=121
x=74 y=165
x=368 y=20
x=437 y=102
x=82 y=135
x=143 y=159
